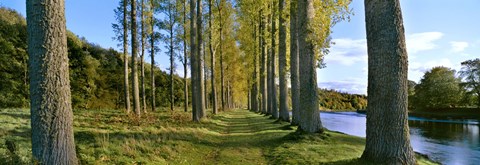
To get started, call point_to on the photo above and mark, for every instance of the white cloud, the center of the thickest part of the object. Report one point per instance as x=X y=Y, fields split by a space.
x=351 y=85
x=458 y=47
x=347 y=51
x=416 y=70
x=422 y=41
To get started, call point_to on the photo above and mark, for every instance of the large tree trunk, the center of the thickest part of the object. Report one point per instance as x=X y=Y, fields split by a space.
x=255 y=73
x=194 y=72
x=388 y=138
x=212 y=60
x=136 y=94
x=308 y=81
x=172 y=97
x=152 y=53
x=125 y=56
x=273 y=85
x=222 y=77
x=282 y=55
x=199 y=94
x=142 y=61
x=185 y=59
x=263 y=66
x=50 y=106
x=294 y=75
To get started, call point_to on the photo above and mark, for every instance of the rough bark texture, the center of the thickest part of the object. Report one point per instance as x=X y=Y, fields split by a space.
x=199 y=65
x=222 y=77
x=51 y=107
x=136 y=94
x=294 y=77
x=152 y=54
x=263 y=66
x=310 y=113
x=172 y=58
x=388 y=138
x=125 y=57
x=193 y=67
x=282 y=68
x=273 y=85
x=255 y=72
x=142 y=61
x=212 y=59
x=185 y=59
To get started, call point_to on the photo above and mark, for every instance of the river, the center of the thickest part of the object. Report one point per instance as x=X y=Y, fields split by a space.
x=446 y=141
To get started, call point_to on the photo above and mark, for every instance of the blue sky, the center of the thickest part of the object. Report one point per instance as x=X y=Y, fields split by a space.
x=438 y=32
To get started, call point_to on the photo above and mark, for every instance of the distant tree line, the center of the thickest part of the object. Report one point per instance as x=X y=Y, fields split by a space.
x=334 y=100
x=442 y=87
x=95 y=72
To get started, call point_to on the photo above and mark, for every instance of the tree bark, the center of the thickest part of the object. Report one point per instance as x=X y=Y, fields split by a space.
x=194 y=79
x=185 y=59
x=51 y=106
x=136 y=94
x=273 y=96
x=294 y=72
x=125 y=56
x=388 y=138
x=212 y=60
x=308 y=81
x=263 y=66
x=152 y=53
x=282 y=55
x=222 y=77
x=142 y=61
x=199 y=94
x=171 y=50
x=255 y=73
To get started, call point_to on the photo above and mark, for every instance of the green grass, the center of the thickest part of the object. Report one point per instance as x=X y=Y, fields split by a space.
x=233 y=137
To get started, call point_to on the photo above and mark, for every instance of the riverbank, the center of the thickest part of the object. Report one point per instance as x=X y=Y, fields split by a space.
x=233 y=137
x=447 y=113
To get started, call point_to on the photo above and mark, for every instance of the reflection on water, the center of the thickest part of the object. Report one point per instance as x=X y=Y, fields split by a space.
x=446 y=141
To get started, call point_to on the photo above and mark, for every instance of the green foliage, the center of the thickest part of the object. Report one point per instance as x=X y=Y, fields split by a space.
x=14 y=59
x=471 y=74
x=96 y=73
x=439 y=88
x=334 y=100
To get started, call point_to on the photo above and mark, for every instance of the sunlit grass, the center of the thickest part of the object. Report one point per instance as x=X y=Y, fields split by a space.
x=165 y=137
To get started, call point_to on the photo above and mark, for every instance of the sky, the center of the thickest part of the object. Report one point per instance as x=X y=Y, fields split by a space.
x=438 y=33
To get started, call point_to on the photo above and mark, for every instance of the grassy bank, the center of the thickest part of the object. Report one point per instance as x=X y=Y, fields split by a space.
x=444 y=113
x=234 y=137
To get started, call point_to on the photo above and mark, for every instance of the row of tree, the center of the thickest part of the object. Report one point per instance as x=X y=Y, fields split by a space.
x=94 y=71
x=186 y=38
x=442 y=87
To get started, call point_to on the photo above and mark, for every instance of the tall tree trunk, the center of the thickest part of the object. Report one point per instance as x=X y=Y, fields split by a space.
x=222 y=77
x=273 y=66
x=125 y=56
x=50 y=106
x=185 y=59
x=388 y=138
x=193 y=61
x=294 y=72
x=282 y=55
x=142 y=62
x=136 y=95
x=263 y=66
x=201 y=101
x=212 y=59
x=205 y=75
x=172 y=97
x=152 y=53
x=255 y=77
x=308 y=81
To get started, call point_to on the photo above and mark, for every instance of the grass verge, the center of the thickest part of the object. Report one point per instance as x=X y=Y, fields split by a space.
x=164 y=137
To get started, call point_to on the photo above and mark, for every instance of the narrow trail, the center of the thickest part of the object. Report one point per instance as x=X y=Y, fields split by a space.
x=247 y=137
